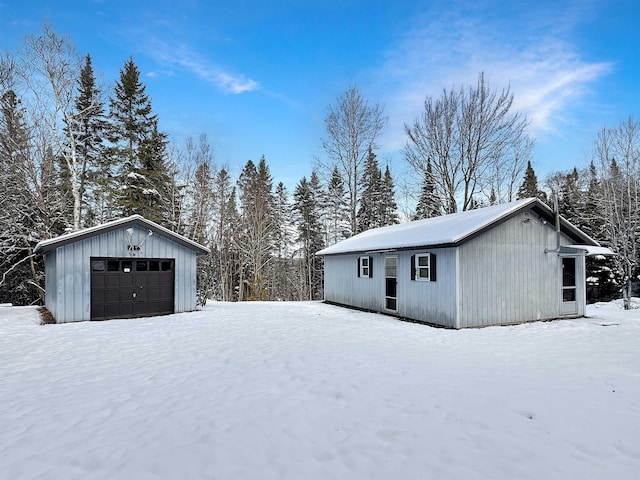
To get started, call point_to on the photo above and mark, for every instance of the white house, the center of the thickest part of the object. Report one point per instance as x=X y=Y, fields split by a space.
x=126 y=268
x=491 y=266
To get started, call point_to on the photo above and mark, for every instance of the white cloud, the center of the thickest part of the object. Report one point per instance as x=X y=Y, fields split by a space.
x=182 y=56
x=522 y=52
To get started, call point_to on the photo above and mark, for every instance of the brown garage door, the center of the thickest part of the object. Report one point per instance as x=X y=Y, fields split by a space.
x=131 y=287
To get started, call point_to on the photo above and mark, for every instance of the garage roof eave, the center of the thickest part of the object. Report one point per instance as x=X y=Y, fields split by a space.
x=47 y=245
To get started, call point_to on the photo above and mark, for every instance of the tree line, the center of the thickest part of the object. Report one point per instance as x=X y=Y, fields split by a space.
x=75 y=153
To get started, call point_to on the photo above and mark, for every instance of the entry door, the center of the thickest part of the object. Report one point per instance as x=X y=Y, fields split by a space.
x=569 y=287
x=390 y=283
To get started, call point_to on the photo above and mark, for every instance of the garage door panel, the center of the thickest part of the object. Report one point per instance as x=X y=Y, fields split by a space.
x=112 y=280
x=153 y=294
x=113 y=296
x=122 y=291
x=97 y=296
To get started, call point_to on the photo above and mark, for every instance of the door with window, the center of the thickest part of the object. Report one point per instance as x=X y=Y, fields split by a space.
x=391 y=283
x=569 y=287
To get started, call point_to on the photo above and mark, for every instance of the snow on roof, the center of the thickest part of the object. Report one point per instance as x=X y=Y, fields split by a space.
x=46 y=245
x=449 y=229
x=591 y=250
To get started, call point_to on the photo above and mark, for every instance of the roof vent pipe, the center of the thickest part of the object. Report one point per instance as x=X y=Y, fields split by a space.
x=556 y=213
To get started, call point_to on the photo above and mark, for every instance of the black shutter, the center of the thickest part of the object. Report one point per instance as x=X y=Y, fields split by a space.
x=370 y=267
x=432 y=267
x=358 y=265
x=413 y=267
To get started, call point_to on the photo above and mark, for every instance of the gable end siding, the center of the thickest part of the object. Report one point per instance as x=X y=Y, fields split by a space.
x=506 y=277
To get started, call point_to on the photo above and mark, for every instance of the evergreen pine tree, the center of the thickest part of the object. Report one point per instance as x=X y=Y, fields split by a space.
x=492 y=197
x=226 y=233
x=529 y=186
x=89 y=127
x=429 y=204
x=18 y=211
x=137 y=147
x=256 y=241
x=570 y=199
x=309 y=236
x=156 y=181
x=337 y=210
x=388 y=214
x=367 y=216
x=281 y=267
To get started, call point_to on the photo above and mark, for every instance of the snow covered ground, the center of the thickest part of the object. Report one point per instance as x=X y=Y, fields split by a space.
x=314 y=391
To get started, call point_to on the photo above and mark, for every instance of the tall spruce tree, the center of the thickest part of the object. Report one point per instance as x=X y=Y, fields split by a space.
x=18 y=211
x=368 y=209
x=336 y=209
x=388 y=208
x=256 y=241
x=89 y=128
x=307 y=213
x=156 y=181
x=570 y=199
x=529 y=187
x=429 y=204
x=225 y=246
x=281 y=268
x=137 y=147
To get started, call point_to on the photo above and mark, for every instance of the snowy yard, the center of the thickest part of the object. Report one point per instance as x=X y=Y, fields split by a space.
x=313 y=391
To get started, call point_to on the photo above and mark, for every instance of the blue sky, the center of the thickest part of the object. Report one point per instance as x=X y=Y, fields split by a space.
x=257 y=76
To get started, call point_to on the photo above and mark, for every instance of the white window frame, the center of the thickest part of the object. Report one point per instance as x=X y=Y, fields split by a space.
x=365 y=270
x=419 y=268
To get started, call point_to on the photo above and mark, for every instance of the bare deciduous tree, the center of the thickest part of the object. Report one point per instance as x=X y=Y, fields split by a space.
x=474 y=143
x=50 y=70
x=617 y=157
x=353 y=127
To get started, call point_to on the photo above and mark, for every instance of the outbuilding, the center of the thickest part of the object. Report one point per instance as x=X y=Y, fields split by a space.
x=509 y=263
x=131 y=267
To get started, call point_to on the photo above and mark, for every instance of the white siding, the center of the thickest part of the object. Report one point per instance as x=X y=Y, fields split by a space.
x=72 y=297
x=50 y=286
x=342 y=284
x=432 y=302
x=506 y=276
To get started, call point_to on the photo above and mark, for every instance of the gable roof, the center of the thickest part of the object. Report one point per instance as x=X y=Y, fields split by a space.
x=450 y=230
x=47 y=245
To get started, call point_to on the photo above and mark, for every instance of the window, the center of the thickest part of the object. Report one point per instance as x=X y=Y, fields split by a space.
x=113 y=265
x=365 y=267
x=97 y=265
x=141 y=266
x=166 y=266
x=423 y=267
